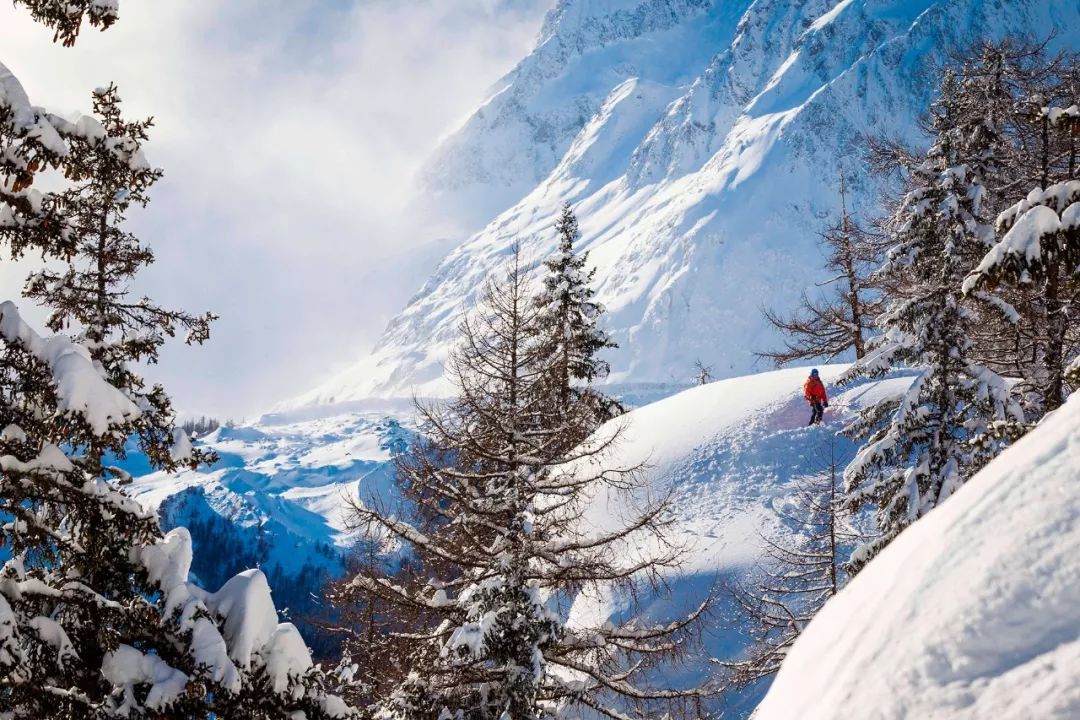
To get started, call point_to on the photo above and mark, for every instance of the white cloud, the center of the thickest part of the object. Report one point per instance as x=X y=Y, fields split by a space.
x=289 y=133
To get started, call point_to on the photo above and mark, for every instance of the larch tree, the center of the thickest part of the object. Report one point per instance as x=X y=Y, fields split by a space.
x=374 y=633
x=495 y=504
x=922 y=445
x=841 y=321
x=803 y=566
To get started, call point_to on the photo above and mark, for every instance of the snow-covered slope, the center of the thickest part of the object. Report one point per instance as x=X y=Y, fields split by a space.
x=731 y=453
x=277 y=496
x=973 y=612
x=701 y=142
x=730 y=450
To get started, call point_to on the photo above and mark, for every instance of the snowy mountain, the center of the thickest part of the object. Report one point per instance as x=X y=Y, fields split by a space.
x=701 y=143
x=277 y=496
x=731 y=451
x=970 y=613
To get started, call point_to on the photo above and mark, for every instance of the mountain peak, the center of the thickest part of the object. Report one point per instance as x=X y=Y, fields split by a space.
x=695 y=139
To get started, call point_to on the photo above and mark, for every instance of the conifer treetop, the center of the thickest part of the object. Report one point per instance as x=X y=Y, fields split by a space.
x=66 y=17
x=108 y=174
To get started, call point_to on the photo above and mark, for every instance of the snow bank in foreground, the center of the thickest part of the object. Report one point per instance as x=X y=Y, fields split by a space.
x=974 y=612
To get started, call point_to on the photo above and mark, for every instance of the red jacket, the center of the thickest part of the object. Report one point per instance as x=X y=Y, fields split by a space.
x=814 y=390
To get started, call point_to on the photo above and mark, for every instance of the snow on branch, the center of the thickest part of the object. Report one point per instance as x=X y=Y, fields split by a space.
x=65 y=17
x=80 y=388
x=24 y=119
x=1034 y=227
x=234 y=631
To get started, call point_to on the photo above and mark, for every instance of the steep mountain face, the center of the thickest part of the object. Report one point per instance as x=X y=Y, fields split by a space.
x=585 y=49
x=700 y=142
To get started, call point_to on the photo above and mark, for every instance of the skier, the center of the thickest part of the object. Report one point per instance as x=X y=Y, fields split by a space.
x=814 y=392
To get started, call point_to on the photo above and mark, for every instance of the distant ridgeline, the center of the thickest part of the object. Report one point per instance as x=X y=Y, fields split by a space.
x=274 y=500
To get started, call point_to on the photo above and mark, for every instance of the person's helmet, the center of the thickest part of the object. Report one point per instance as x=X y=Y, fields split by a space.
x=814 y=372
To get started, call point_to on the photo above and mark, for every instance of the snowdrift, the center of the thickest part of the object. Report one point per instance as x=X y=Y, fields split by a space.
x=972 y=613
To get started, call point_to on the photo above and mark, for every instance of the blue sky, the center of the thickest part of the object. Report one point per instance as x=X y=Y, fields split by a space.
x=289 y=133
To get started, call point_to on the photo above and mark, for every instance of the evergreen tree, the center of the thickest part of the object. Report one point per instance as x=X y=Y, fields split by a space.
x=803 y=567
x=109 y=173
x=955 y=415
x=496 y=502
x=1020 y=329
x=97 y=616
x=840 y=322
x=568 y=319
x=1011 y=89
x=1040 y=245
x=66 y=17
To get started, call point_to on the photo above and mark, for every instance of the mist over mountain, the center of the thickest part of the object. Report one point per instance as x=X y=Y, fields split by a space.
x=701 y=144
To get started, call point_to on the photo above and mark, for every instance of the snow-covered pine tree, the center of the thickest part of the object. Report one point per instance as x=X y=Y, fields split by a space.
x=1012 y=88
x=840 y=322
x=494 y=513
x=1040 y=245
x=109 y=174
x=802 y=568
x=1033 y=94
x=54 y=621
x=922 y=445
x=97 y=617
x=65 y=17
x=568 y=319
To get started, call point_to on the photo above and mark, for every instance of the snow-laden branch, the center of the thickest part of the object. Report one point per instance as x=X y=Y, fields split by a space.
x=80 y=387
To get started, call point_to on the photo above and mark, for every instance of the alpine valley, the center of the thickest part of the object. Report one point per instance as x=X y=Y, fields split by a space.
x=700 y=143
